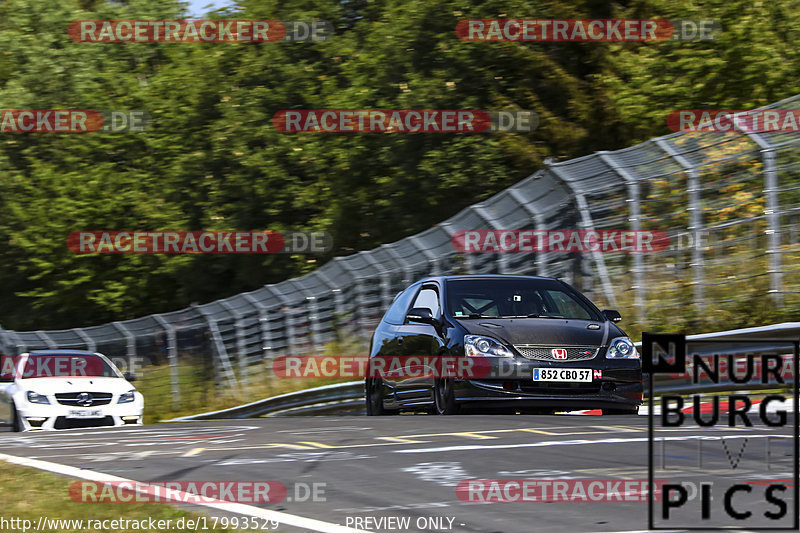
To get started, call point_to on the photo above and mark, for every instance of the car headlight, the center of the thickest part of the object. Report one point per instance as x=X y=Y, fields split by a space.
x=127 y=397
x=34 y=397
x=478 y=345
x=622 y=348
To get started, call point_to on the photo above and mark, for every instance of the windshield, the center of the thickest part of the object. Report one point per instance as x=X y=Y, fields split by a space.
x=515 y=298
x=66 y=365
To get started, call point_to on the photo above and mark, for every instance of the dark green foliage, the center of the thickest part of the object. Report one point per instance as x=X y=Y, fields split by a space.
x=212 y=159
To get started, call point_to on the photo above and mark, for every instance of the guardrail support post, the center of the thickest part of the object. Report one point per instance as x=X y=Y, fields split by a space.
x=241 y=344
x=130 y=341
x=47 y=340
x=772 y=212
x=88 y=340
x=172 y=352
x=695 y=222
x=635 y=219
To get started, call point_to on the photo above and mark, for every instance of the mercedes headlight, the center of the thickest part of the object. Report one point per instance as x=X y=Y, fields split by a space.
x=480 y=346
x=34 y=397
x=622 y=348
x=127 y=397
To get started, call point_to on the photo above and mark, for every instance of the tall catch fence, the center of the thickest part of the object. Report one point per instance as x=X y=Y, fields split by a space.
x=728 y=201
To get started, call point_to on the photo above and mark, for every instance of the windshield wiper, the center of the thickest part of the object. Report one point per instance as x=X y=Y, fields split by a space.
x=475 y=315
x=532 y=315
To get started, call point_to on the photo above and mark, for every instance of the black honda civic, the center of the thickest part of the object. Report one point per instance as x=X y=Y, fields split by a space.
x=530 y=344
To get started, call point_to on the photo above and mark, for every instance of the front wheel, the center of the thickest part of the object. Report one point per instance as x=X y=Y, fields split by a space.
x=444 y=397
x=373 y=388
x=16 y=425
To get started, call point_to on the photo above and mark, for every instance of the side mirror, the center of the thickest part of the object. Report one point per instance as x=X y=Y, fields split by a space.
x=612 y=315
x=422 y=315
x=130 y=376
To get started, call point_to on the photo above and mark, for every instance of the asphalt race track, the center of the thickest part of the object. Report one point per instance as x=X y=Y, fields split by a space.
x=403 y=466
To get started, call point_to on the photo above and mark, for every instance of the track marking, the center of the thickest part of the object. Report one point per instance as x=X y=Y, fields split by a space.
x=568 y=443
x=471 y=435
x=403 y=440
x=316 y=444
x=541 y=432
x=276 y=445
x=193 y=452
x=236 y=508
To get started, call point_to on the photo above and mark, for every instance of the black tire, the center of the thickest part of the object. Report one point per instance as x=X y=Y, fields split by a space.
x=373 y=391
x=622 y=411
x=15 y=423
x=444 y=399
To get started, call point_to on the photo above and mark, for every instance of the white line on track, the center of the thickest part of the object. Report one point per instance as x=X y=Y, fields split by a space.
x=235 y=508
x=573 y=442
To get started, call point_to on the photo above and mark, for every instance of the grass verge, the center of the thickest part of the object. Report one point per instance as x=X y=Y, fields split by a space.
x=29 y=494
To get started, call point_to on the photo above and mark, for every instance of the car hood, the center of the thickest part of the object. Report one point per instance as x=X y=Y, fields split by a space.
x=71 y=384
x=544 y=331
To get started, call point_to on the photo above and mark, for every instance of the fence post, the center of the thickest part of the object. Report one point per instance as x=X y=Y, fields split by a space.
x=86 y=338
x=314 y=323
x=695 y=222
x=538 y=263
x=266 y=331
x=361 y=323
x=130 y=341
x=47 y=340
x=5 y=342
x=635 y=218
x=19 y=344
x=288 y=320
x=340 y=312
x=480 y=210
x=772 y=212
x=241 y=345
x=587 y=223
x=172 y=351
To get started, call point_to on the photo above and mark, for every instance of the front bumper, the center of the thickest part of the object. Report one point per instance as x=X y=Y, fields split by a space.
x=56 y=416
x=620 y=386
x=488 y=394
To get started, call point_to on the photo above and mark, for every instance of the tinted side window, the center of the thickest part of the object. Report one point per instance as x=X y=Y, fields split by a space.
x=429 y=298
x=397 y=311
x=568 y=306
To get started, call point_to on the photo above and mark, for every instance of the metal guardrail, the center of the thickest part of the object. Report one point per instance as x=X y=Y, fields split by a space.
x=332 y=399
x=320 y=398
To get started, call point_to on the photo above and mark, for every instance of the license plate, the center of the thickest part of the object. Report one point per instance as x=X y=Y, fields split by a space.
x=562 y=374
x=85 y=413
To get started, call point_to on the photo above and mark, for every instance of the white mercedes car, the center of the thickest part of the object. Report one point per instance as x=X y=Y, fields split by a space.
x=63 y=389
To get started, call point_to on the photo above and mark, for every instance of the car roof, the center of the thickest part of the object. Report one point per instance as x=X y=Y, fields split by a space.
x=485 y=276
x=61 y=352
